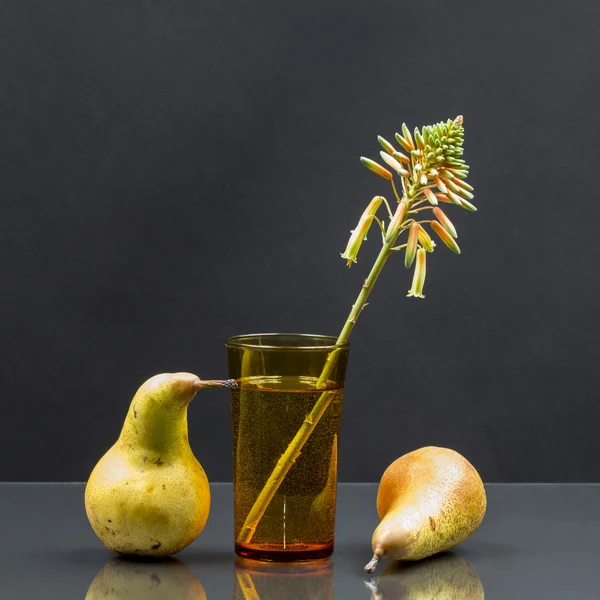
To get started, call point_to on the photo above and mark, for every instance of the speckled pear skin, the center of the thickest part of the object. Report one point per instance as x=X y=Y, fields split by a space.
x=148 y=495
x=445 y=577
x=156 y=580
x=429 y=500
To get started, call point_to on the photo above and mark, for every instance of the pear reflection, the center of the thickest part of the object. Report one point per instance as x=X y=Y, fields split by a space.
x=276 y=581
x=140 y=580
x=447 y=576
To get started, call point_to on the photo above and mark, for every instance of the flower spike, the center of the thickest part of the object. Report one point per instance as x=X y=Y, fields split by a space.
x=435 y=156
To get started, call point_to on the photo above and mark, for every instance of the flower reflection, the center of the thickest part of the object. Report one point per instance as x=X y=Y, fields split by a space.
x=447 y=576
x=277 y=581
x=168 y=579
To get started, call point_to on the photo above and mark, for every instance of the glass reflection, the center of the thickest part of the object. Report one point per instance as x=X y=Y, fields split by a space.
x=447 y=576
x=277 y=581
x=145 y=580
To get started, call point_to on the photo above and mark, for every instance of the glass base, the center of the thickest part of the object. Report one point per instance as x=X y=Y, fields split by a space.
x=292 y=553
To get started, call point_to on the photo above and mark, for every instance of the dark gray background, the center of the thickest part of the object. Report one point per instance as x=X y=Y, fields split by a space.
x=173 y=173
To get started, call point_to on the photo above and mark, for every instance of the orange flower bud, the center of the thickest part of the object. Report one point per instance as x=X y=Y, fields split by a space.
x=404 y=143
x=401 y=157
x=430 y=196
x=445 y=221
x=411 y=246
x=396 y=222
x=392 y=162
x=445 y=237
x=463 y=184
x=373 y=166
x=441 y=185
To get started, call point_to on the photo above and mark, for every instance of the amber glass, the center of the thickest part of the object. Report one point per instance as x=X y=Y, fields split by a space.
x=263 y=581
x=277 y=376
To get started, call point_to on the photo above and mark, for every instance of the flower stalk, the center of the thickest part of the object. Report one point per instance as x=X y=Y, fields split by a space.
x=434 y=161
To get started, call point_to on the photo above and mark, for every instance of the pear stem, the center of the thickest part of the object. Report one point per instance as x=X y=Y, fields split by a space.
x=292 y=452
x=372 y=564
x=215 y=383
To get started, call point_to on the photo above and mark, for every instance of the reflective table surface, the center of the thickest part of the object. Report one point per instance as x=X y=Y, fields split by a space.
x=537 y=541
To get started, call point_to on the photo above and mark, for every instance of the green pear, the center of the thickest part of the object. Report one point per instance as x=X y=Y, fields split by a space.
x=148 y=495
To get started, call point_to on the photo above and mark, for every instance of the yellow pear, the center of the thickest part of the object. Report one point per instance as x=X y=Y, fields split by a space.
x=428 y=501
x=148 y=495
x=165 y=580
x=445 y=577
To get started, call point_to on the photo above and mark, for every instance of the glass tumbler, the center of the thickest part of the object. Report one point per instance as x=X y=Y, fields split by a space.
x=286 y=421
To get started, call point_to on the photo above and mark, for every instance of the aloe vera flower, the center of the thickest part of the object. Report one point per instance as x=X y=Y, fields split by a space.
x=360 y=233
x=418 y=281
x=430 y=172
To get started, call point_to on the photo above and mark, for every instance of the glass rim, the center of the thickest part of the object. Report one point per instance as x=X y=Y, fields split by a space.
x=237 y=341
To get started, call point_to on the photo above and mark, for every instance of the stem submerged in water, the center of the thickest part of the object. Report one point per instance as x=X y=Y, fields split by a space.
x=288 y=458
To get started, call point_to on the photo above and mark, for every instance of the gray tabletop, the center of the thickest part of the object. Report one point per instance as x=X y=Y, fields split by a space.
x=537 y=541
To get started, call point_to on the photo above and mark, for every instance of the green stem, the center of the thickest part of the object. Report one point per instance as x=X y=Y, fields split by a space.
x=292 y=452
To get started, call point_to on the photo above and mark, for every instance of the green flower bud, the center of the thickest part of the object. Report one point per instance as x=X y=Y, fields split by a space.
x=404 y=143
x=459 y=173
x=454 y=198
x=458 y=190
x=386 y=145
x=419 y=139
x=466 y=204
x=406 y=134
